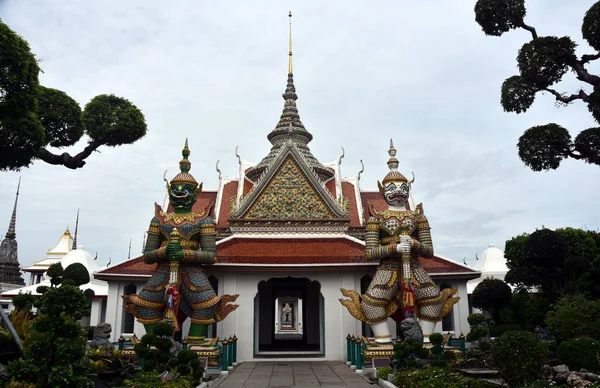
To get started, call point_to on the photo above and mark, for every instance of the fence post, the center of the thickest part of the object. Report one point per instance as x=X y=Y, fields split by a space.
x=230 y=353
x=463 y=348
x=184 y=344
x=235 y=339
x=359 y=356
x=348 y=351
x=224 y=358
x=352 y=353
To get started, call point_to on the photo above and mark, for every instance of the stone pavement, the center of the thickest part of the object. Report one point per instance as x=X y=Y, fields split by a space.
x=304 y=374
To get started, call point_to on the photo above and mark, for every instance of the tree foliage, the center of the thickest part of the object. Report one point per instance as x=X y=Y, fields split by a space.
x=491 y=295
x=77 y=274
x=23 y=302
x=54 y=354
x=558 y=263
x=542 y=62
x=33 y=117
x=575 y=315
x=519 y=357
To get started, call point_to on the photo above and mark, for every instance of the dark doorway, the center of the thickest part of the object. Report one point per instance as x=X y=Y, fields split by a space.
x=309 y=292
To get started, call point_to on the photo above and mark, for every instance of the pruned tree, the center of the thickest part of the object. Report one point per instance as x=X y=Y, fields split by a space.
x=34 y=118
x=491 y=295
x=542 y=63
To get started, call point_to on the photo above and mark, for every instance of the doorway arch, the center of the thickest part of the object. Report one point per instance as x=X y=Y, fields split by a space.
x=302 y=300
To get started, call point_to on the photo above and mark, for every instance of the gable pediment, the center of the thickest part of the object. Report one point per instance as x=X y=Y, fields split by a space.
x=289 y=190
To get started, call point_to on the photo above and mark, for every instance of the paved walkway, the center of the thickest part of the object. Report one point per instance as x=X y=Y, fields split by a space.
x=324 y=374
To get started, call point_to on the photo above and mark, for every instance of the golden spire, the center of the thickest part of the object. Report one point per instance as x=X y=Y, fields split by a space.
x=290 y=69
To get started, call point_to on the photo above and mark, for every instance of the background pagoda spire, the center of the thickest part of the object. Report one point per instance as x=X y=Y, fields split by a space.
x=11 y=234
x=10 y=270
x=76 y=228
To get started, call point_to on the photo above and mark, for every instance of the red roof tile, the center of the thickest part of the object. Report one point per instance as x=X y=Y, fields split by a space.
x=229 y=192
x=349 y=192
x=266 y=251
x=330 y=186
x=290 y=251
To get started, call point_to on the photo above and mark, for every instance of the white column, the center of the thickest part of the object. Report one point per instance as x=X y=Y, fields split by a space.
x=230 y=286
x=95 y=311
x=461 y=310
x=114 y=303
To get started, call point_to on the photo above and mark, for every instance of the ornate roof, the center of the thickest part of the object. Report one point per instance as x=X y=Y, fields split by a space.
x=289 y=190
x=290 y=128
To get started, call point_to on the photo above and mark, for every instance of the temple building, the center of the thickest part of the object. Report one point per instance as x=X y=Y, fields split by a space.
x=290 y=233
x=10 y=270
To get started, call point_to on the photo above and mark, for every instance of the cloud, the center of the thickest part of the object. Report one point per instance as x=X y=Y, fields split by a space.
x=422 y=73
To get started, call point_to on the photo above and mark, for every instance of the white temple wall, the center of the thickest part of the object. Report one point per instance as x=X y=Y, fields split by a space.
x=114 y=309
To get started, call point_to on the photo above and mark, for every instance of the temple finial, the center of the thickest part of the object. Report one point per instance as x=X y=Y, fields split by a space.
x=290 y=67
x=129 y=254
x=11 y=234
x=76 y=227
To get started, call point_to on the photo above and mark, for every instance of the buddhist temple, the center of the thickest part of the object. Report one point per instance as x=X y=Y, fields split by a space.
x=290 y=233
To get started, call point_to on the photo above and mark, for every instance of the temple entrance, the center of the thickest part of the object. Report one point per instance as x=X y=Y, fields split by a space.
x=289 y=318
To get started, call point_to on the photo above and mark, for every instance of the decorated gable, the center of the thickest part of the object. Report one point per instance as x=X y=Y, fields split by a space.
x=289 y=195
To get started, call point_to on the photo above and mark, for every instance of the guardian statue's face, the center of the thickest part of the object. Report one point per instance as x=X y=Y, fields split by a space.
x=396 y=193
x=182 y=196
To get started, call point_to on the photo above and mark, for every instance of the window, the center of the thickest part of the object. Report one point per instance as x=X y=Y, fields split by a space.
x=128 y=318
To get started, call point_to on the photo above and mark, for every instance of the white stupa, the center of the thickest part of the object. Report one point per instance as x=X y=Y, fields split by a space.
x=492 y=264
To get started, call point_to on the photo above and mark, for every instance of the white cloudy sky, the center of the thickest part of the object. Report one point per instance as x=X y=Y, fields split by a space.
x=421 y=73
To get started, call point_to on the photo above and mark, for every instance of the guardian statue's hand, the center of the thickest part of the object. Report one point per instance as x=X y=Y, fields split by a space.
x=174 y=251
x=405 y=245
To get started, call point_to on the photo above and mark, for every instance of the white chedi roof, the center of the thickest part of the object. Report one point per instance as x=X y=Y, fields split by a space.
x=79 y=255
x=53 y=255
x=492 y=264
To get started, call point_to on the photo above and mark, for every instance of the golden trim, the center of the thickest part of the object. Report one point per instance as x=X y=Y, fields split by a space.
x=384 y=336
x=207 y=303
x=178 y=218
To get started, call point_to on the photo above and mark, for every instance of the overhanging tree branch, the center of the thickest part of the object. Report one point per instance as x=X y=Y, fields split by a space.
x=72 y=162
x=584 y=75
x=588 y=58
x=567 y=99
x=530 y=29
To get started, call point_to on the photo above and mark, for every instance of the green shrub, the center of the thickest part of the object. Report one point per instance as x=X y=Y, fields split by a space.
x=477 y=333
x=580 y=353
x=575 y=315
x=383 y=373
x=434 y=377
x=436 y=339
x=519 y=357
x=77 y=274
x=476 y=319
x=450 y=355
x=54 y=353
x=498 y=330
x=476 y=354
x=152 y=380
x=23 y=301
x=407 y=352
